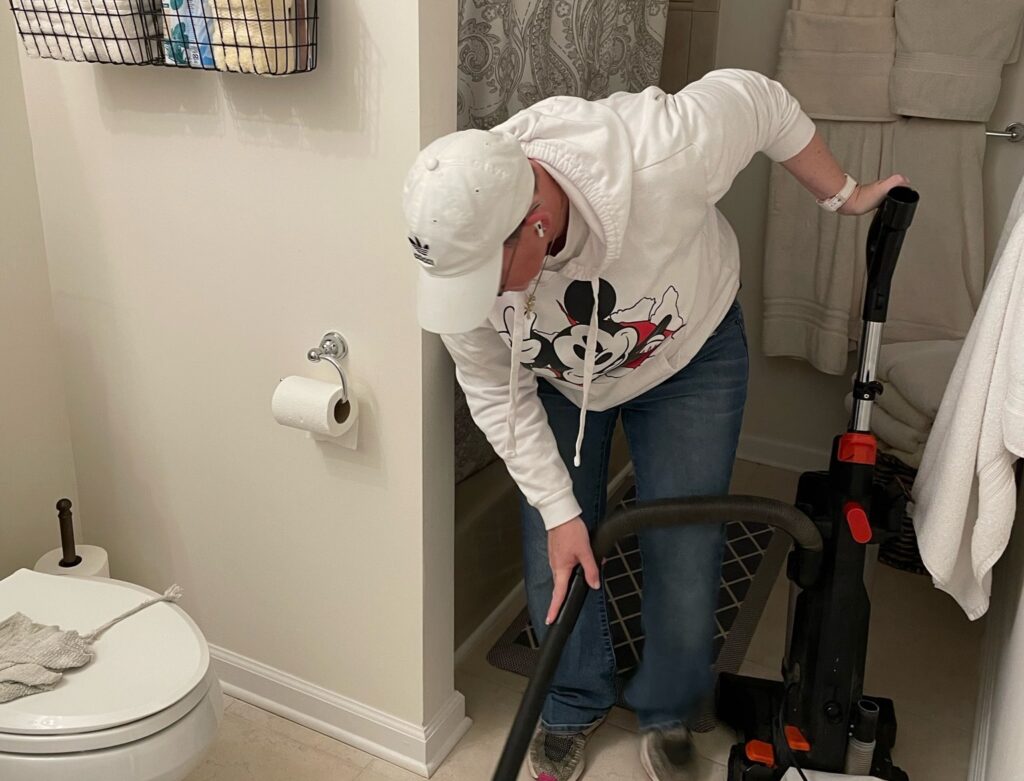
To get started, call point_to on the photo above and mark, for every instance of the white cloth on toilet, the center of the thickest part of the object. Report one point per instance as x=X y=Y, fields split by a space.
x=33 y=657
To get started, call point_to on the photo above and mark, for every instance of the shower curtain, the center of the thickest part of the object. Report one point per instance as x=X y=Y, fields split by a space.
x=513 y=53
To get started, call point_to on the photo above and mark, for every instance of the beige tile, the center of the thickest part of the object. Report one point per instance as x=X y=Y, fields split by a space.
x=379 y=770
x=715 y=745
x=297 y=733
x=247 y=751
x=931 y=749
x=492 y=708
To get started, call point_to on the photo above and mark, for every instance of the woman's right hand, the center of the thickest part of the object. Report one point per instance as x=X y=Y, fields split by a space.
x=569 y=545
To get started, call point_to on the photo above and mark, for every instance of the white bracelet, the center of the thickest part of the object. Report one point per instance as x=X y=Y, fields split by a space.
x=835 y=203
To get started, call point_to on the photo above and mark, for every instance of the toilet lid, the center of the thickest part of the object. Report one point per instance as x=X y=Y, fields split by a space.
x=140 y=666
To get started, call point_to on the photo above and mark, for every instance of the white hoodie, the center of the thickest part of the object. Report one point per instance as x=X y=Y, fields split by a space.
x=644 y=172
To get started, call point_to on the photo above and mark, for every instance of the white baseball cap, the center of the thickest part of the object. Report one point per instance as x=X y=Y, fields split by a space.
x=465 y=194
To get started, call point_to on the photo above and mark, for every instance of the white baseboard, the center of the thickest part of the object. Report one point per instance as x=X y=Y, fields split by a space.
x=784 y=455
x=417 y=748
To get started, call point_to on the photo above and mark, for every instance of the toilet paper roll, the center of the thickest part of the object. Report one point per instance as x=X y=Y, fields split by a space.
x=94 y=563
x=315 y=406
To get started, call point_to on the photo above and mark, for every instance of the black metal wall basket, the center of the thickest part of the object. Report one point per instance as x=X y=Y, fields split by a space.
x=265 y=37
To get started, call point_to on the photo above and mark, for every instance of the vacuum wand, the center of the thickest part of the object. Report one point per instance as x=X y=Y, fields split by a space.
x=648 y=515
x=885 y=240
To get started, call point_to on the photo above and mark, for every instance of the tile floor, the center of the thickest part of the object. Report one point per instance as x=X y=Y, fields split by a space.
x=924 y=654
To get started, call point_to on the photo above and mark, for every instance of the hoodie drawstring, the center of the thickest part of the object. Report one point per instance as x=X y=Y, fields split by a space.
x=590 y=357
x=513 y=377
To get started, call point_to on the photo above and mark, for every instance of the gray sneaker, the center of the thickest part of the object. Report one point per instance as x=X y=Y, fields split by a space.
x=555 y=757
x=668 y=755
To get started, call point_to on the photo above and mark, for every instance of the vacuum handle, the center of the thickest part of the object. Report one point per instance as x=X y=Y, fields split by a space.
x=704 y=510
x=885 y=239
x=646 y=515
x=518 y=742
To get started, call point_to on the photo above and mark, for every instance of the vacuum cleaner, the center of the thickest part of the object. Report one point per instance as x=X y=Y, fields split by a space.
x=817 y=717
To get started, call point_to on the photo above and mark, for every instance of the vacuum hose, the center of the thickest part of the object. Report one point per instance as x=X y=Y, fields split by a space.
x=646 y=515
x=860 y=750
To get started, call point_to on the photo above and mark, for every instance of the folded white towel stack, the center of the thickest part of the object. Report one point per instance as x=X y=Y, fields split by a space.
x=113 y=31
x=913 y=376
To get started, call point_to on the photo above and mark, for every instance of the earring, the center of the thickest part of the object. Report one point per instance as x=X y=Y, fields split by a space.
x=539 y=227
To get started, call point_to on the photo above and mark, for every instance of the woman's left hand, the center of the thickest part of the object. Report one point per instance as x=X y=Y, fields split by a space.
x=867 y=197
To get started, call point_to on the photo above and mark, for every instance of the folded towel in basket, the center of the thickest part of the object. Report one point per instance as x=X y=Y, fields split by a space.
x=260 y=36
x=112 y=31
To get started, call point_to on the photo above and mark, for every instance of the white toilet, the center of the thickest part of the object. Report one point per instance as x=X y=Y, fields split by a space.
x=146 y=708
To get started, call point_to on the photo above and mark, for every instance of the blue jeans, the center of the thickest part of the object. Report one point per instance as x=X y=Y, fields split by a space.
x=682 y=436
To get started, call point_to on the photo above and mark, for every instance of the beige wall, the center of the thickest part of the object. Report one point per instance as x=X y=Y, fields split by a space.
x=203 y=232
x=794 y=411
x=35 y=446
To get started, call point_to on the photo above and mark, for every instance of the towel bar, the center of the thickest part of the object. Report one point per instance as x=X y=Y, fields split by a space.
x=1014 y=132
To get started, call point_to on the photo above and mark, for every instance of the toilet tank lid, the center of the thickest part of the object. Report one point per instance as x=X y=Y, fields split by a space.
x=140 y=666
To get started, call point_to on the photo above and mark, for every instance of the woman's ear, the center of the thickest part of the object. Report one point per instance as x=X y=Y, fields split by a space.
x=540 y=223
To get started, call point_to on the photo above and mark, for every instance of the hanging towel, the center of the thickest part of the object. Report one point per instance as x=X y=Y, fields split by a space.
x=258 y=36
x=836 y=58
x=34 y=657
x=950 y=56
x=965 y=492
x=815 y=264
x=814 y=260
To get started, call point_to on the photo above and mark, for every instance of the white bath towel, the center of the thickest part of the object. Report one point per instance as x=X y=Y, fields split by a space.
x=974 y=442
x=950 y=56
x=259 y=36
x=113 y=31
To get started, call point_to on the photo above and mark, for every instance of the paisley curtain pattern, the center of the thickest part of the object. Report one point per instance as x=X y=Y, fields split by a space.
x=513 y=53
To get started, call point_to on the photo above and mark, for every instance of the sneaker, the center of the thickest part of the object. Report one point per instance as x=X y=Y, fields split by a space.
x=556 y=757
x=668 y=755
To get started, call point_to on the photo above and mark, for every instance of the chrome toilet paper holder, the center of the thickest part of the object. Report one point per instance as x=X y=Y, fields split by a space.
x=333 y=348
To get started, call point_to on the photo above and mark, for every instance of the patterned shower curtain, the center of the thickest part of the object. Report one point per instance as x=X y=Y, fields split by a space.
x=513 y=53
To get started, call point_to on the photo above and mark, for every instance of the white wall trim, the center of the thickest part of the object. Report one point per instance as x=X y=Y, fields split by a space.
x=419 y=749
x=784 y=455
